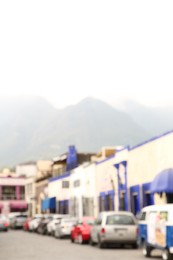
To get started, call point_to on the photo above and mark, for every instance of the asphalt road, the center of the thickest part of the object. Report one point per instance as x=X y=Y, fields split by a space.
x=19 y=245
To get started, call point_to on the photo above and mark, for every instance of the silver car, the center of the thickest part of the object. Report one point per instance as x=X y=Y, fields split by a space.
x=63 y=229
x=18 y=221
x=114 y=228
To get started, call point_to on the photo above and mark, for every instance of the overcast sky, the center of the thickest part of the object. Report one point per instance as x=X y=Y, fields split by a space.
x=67 y=50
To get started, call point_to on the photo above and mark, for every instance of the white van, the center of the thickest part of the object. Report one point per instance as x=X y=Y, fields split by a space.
x=156 y=230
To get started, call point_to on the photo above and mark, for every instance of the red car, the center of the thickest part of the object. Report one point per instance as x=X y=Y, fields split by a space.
x=80 y=232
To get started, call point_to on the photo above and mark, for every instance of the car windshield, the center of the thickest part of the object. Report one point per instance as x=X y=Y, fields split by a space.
x=90 y=222
x=120 y=220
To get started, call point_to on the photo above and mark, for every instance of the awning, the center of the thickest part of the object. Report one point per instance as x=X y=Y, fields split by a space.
x=163 y=182
x=49 y=203
x=52 y=204
x=18 y=205
x=45 y=204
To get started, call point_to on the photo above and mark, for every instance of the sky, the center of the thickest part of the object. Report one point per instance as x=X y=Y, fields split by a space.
x=68 y=50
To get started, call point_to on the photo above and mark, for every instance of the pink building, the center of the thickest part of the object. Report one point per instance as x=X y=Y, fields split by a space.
x=12 y=194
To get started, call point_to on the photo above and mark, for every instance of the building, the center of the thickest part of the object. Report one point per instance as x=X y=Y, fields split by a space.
x=137 y=166
x=12 y=193
x=44 y=172
x=29 y=171
x=59 y=186
x=83 y=200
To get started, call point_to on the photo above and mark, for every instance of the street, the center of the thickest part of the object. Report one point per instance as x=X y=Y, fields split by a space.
x=20 y=245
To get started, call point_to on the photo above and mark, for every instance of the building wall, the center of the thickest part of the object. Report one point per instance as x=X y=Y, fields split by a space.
x=106 y=180
x=146 y=161
x=12 y=194
x=77 y=189
x=55 y=189
x=30 y=195
x=90 y=190
x=27 y=170
x=41 y=192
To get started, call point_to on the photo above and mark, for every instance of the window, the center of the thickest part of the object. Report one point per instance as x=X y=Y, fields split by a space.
x=76 y=183
x=98 y=221
x=65 y=184
x=120 y=220
x=80 y=222
x=8 y=192
x=143 y=216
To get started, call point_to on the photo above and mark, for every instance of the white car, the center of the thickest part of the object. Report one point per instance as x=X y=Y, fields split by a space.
x=33 y=224
x=63 y=229
x=51 y=227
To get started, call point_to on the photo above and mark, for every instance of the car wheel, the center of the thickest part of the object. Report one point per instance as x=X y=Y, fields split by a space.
x=101 y=244
x=135 y=245
x=166 y=255
x=146 y=250
x=56 y=235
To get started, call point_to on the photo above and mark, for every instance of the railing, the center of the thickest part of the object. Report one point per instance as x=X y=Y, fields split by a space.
x=12 y=197
x=8 y=197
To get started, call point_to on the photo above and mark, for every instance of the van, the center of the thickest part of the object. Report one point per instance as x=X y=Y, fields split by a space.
x=156 y=230
x=114 y=227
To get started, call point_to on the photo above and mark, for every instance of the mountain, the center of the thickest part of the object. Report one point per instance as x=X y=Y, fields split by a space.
x=155 y=120
x=20 y=117
x=90 y=125
x=32 y=129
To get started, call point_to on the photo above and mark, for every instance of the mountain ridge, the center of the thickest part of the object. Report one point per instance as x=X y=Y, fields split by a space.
x=33 y=129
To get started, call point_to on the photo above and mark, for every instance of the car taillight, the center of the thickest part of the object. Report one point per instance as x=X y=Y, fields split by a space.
x=6 y=224
x=103 y=231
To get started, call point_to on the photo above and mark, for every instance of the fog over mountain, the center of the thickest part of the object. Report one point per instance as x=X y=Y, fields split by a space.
x=32 y=129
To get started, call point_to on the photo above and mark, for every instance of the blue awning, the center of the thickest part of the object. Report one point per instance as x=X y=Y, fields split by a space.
x=49 y=203
x=52 y=203
x=163 y=182
x=45 y=204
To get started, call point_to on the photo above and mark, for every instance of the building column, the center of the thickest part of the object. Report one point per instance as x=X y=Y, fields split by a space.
x=117 y=167
x=18 y=192
x=124 y=163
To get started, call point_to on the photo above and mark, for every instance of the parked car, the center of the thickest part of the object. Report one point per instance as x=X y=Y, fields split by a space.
x=42 y=227
x=80 y=232
x=11 y=215
x=18 y=221
x=26 y=224
x=63 y=229
x=51 y=226
x=114 y=228
x=4 y=223
x=33 y=224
